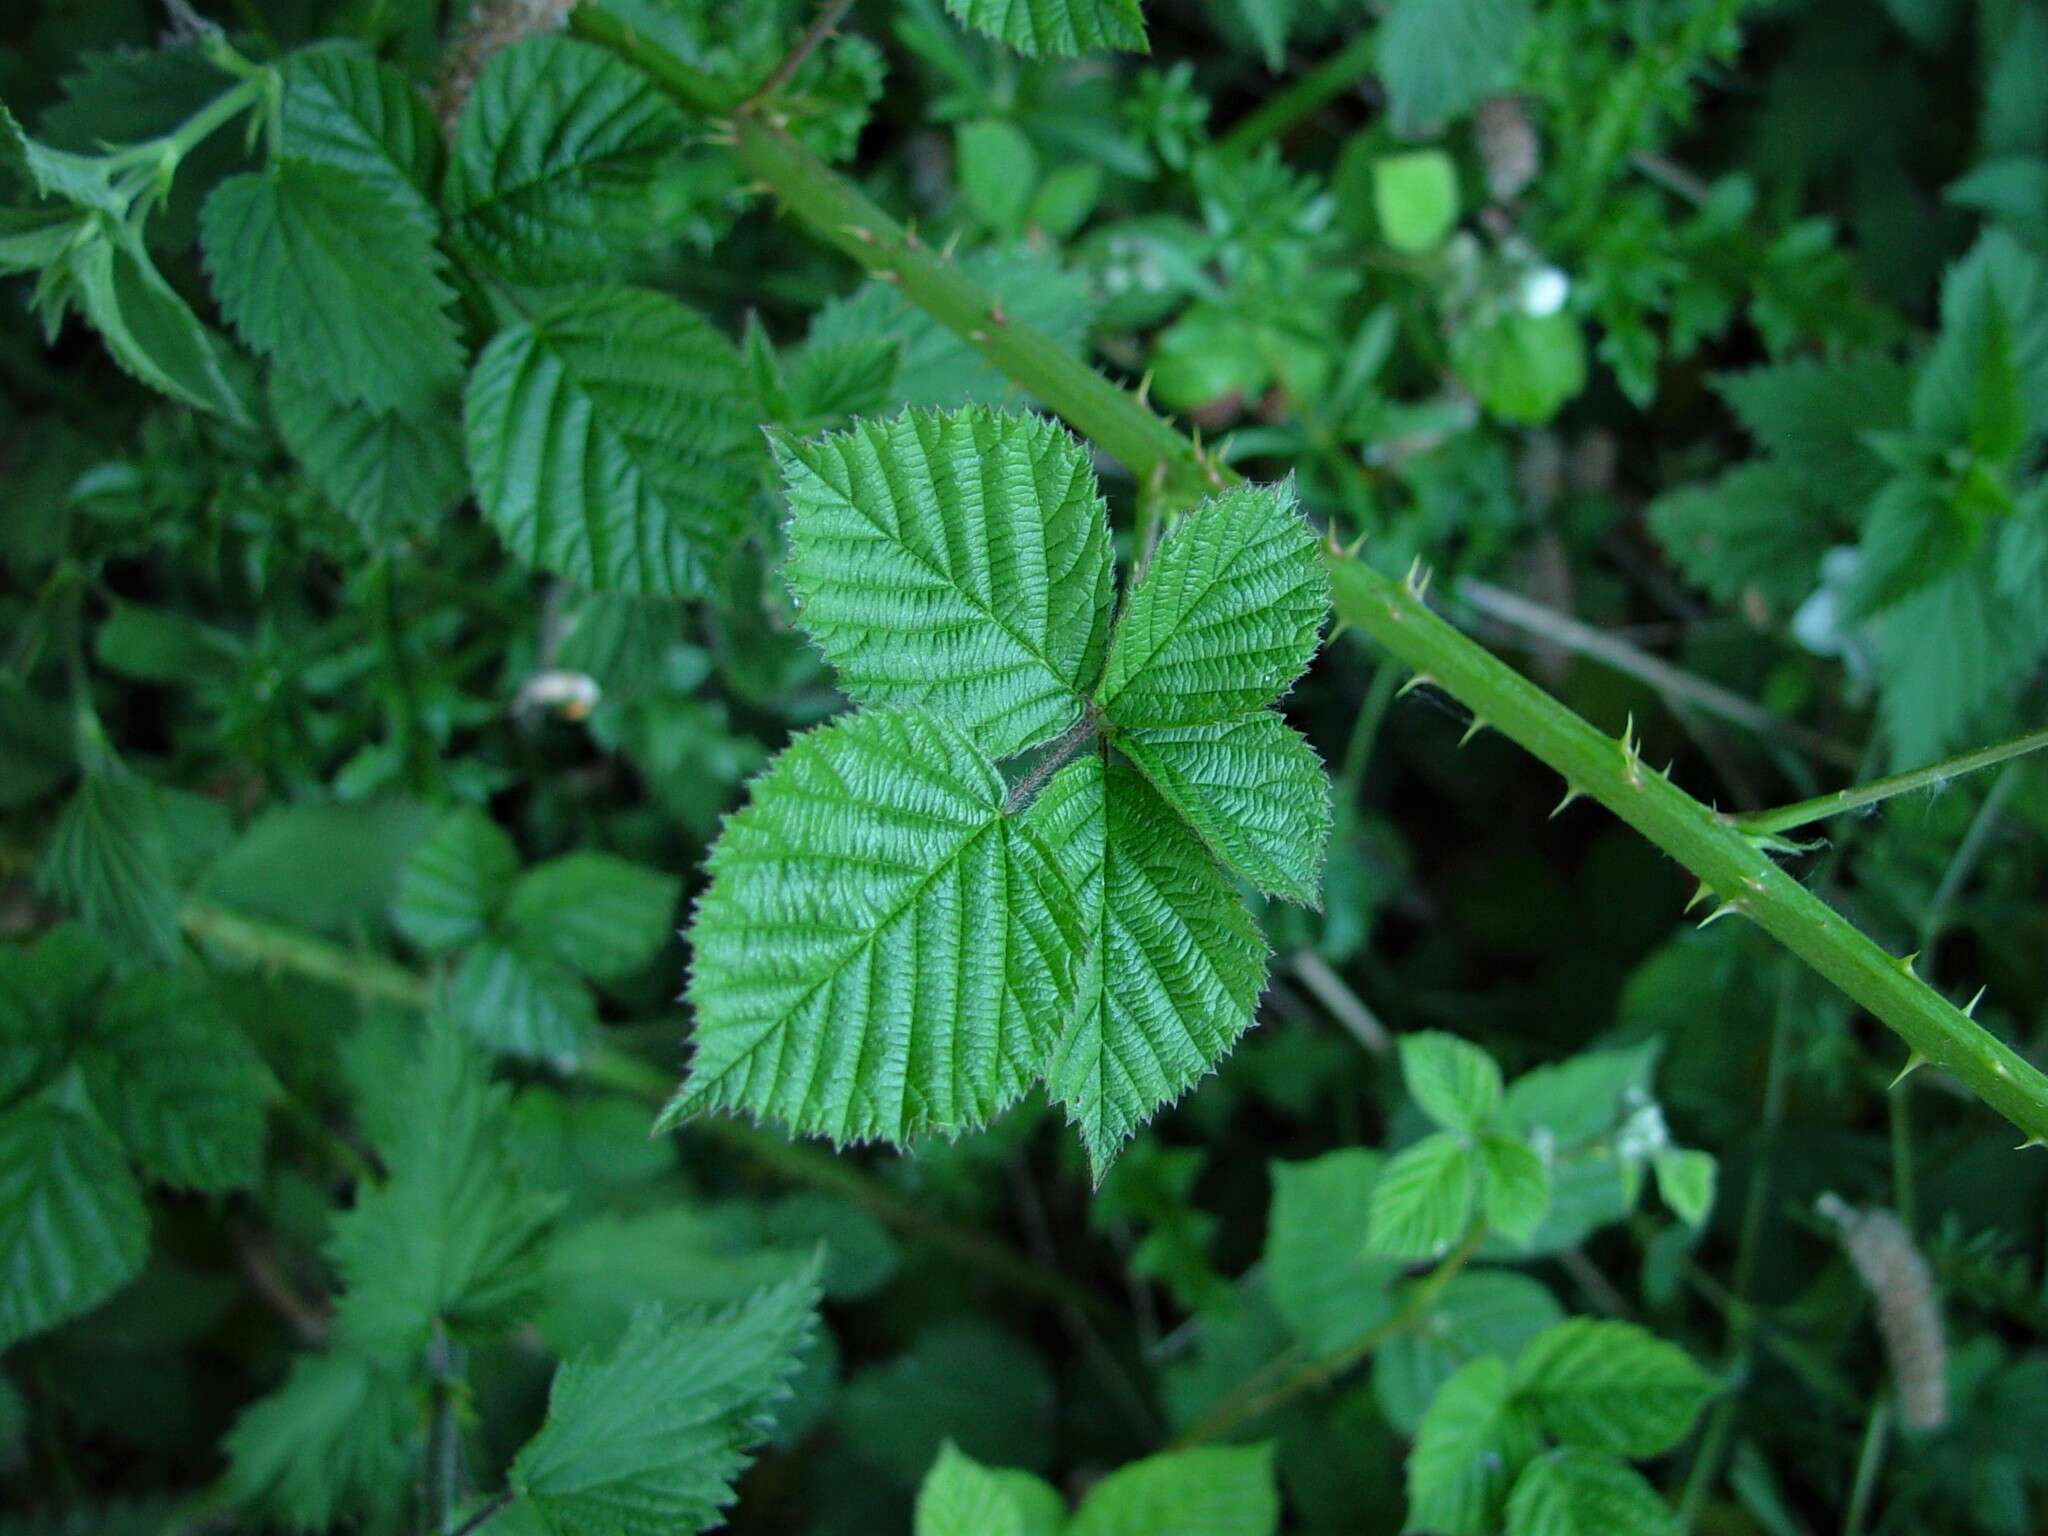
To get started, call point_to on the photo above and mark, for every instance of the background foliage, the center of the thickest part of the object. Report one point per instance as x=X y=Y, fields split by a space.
x=401 y=592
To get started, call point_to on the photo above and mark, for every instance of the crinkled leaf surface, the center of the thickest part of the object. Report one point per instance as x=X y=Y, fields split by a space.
x=1058 y=27
x=1583 y=1493
x=1611 y=1386
x=1215 y=1490
x=958 y=560
x=1472 y=1442
x=881 y=952
x=72 y=1227
x=961 y=1497
x=341 y=107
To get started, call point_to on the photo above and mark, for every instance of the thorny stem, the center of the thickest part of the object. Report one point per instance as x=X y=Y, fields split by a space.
x=374 y=978
x=1859 y=795
x=1728 y=864
x=1297 y=1374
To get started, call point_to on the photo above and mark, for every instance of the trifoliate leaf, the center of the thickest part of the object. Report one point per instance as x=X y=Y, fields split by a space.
x=1473 y=1442
x=1582 y=1493
x=1061 y=28
x=455 y=881
x=1424 y=1200
x=1452 y=1081
x=1224 y=618
x=109 y=860
x=1812 y=419
x=961 y=1497
x=72 y=1227
x=1214 y=1490
x=450 y=1235
x=1608 y=1386
x=1253 y=789
x=958 y=560
x=343 y=108
x=601 y=915
x=1173 y=963
x=178 y=1083
x=390 y=473
x=554 y=157
x=336 y=1440
x=881 y=952
x=1439 y=57
x=1753 y=528
x=646 y=1440
x=335 y=276
x=607 y=444
x=1514 y=1188
x=1325 y=1286
x=522 y=1001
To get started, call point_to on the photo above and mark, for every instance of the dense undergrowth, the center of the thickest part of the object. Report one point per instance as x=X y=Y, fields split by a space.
x=964 y=541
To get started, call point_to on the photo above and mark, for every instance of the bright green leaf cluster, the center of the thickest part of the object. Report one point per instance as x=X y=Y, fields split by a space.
x=1217 y=1491
x=896 y=939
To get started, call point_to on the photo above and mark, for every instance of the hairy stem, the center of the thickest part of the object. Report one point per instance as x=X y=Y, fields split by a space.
x=1727 y=863
x=1856 y=796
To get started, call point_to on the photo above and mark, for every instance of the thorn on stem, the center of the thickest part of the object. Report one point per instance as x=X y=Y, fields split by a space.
x=1970 y=1008
x=1914 y=1062
x=1720 y=912
x=1478 y=724
x=1419 y=680
x=1571 y=792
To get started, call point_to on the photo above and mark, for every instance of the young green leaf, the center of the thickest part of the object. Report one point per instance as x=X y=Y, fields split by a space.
x=391 y=473
x=1473 y=1442
x=647 y=1439
x=958 y=560
x=1583 y=1493
x=1514 y=1188
x=1173 y=963
x=523 y=1001
x=961 y=1497
x=455 y=882
x=1685 y=1179
x=601 y=915
x=1060 y=28
x=343 y=108
x=1608 y=1386
x=72 y=1227
x=1214 y=1490
x=881 y=952
x=109 y=859
x=607 y=444
x=1424 y=1200
x=553 y=160
x=1452 y=1081
x=148 y=328
x=1225 y=617
x=334 y=276
x=337 y=1439
x=1322 y=1282
x=1253 y=789
x=179 y=1084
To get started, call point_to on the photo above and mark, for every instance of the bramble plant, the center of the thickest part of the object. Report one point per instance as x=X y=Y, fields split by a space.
x=878 y=517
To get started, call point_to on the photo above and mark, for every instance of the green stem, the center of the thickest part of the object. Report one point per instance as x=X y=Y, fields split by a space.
x=1291 y=1374
x=1859 y=795
x=1328 y=80
x=373 y=978
x=1718 y=852
x=1868 y=1463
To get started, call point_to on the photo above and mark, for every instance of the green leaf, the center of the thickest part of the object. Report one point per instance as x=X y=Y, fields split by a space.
x=160 y=645
x=336 y=277
x=1988 y=371
x=1686 y=1179
x=334 y=1443
x=72 y=1227
x=108 y=859
x=599 y=914
x=1439 y=57
x=1060 y=28
x=391 y=473
x=1947 y=654
x=958 y=560
x=607 y=444
x=1582 y=1493
x=343 y=108
x=1415 y=196
x=1423 y=1203
x=881 y=951
x=455 y=881
x=554 y=157
x=1225 y=617
x=149 y=330
x=961 y=1497
x=1323 y=1284
x=1473 y=1442
x=1481 y=1312
x=1755 y=528
x=451 y=1234
x=1608 y=1386
x=1253 y=789
x=180 y=1085
x=1523 y=368
x=1452 y=1081
x=998 y=172
x=1173 y=963
x=1814 y=419
x=525 y=1002
x=1514 y=1188
x=1209 y=1491
x=647 y=1439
